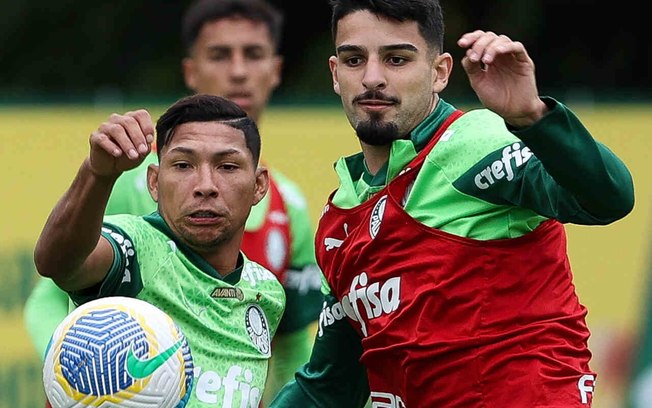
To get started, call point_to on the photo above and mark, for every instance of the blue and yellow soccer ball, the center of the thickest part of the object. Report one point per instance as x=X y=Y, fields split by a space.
x=118 y=352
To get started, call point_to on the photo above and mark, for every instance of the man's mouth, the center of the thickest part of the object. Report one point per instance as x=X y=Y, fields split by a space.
x=240 y=98
x=204 y=214
x=204 y=217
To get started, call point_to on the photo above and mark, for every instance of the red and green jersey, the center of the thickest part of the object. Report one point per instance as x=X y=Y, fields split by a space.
x=446 y=273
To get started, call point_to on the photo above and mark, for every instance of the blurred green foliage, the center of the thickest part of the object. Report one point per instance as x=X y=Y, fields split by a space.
x=80 y=51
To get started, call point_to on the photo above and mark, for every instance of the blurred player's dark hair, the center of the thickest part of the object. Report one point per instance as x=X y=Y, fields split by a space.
x=203 y=11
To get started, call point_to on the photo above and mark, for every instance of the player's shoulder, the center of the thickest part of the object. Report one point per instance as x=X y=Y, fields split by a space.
x=289 y=189
x=480 y=126
x=258 y=275
x=472 y=137
x=134 y=227
x=124 y=220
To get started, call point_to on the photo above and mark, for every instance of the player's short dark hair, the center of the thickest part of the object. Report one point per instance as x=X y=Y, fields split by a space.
x=427 y=14
x=207 y=108
x=204 y=11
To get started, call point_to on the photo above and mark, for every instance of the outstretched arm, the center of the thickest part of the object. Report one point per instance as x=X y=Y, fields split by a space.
x=501 y=73
x=69 y=249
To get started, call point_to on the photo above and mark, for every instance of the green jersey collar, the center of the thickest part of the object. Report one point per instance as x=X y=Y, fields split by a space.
x=355 y=179
x=233 y=277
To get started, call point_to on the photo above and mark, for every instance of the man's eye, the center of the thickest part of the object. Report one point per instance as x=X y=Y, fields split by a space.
x=229 y=167
x=395 y=60
x=254 y=55
x=182 y=165
x=353 y=61
x=218 y=57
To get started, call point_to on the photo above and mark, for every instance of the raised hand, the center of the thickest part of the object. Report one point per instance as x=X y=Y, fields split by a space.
x=121 y=143
x=502 y=75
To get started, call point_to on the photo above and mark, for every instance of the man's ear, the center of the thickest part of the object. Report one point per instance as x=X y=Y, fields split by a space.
x=262 y=184
x=278 y=71
x=188 y=68
x=443 y=65
x=332 y=64
x=152 y=181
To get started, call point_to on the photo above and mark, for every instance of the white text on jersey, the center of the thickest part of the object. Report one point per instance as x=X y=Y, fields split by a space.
x=377 y=299
x=236 y=382
x=503 y=168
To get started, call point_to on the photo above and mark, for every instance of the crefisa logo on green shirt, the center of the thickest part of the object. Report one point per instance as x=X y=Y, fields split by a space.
x=258 y=329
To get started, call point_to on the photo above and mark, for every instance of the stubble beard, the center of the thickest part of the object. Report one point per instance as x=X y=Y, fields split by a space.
x=204 y=242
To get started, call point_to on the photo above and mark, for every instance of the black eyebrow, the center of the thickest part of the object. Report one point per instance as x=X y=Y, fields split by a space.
x=385 y=48
x=221 y=153
x=220 y=47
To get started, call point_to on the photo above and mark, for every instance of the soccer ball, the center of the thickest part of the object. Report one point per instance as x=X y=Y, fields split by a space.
x=118 y=352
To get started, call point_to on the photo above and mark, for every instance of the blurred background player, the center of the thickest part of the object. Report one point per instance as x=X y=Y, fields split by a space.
x=231 y=50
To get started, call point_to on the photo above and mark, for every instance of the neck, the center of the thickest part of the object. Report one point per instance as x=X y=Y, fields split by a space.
x=224 y=261
x=375 y=157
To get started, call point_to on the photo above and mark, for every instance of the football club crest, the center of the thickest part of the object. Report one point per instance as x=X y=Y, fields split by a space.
x=258 y=329
x=377 y=216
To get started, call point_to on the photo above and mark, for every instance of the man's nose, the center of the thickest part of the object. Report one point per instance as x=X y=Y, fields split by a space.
x=374 y=75
x=205 y=183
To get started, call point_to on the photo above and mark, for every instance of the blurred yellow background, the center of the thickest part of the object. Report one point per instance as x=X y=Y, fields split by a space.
x=41 y=148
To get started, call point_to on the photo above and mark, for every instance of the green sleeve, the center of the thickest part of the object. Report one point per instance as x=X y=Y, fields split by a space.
x=334 y=376
x=46 y=306
x=124 y=256
x=554 y=168
x=593 y=175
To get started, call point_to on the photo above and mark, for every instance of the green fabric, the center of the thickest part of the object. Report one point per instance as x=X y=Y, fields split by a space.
x=302 y=285
x=334 y=377
x=212 y=311
x=291 y=351
x=44 y=309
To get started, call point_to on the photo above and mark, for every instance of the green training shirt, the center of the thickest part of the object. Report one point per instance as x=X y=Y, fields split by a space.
x=229 y=321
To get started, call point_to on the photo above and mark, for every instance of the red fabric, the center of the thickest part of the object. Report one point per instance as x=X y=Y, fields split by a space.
x=448 y=321
x=269 y=245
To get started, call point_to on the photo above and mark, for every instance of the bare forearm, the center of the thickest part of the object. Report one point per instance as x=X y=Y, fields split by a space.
x=72 y=229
